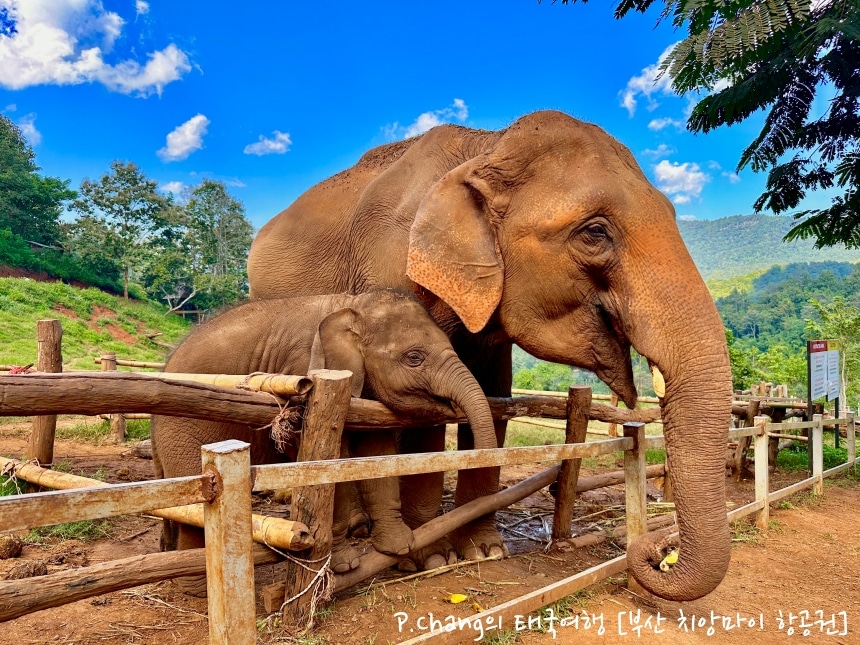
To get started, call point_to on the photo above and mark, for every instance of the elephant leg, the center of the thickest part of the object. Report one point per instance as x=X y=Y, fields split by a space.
x=190 y=537
x=343 y=555
x=491 y=365
x=479 y=538
x=381 y=497
x=421 y=498
x=359 y=525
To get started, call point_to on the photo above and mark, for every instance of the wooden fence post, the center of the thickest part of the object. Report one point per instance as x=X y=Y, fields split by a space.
x=49 y=335
x=851 y=440
x=817 y=437
x=744 y=442
x=762 y=472
x=325 y=416
x=635 y=503
x=229 y=557
x=578 y=405
x=117 y=420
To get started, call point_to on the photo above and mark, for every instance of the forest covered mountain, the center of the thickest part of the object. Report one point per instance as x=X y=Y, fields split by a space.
x=734 y=246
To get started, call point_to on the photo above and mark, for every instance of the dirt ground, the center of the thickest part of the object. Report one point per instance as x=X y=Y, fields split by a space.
x=797 y=581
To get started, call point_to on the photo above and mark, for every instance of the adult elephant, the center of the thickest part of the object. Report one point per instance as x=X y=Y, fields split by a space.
x=548 y=235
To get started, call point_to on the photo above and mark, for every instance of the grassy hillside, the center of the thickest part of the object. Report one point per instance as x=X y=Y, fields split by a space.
x=93 y=321
x=736 y=246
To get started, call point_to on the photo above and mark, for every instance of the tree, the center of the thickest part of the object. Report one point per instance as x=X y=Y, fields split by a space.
x=217 y=242
x=778 y=56
x=30 y=205
x=202 y=255
x=129 y=210
x=839 y=320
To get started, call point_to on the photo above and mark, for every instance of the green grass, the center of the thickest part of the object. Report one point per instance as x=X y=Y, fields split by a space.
x=86 y=530
x=23 y=302
x=795 y=457
x=93 y=431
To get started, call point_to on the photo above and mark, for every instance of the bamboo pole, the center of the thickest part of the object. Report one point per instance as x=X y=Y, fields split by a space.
x=284 y=534
x=129 y=363
x=279 y=384
x=49 y=335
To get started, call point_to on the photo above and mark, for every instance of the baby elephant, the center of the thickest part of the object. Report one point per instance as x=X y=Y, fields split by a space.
x=397 y=355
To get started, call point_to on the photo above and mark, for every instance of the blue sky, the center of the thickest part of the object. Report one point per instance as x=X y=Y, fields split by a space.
x=273 y=97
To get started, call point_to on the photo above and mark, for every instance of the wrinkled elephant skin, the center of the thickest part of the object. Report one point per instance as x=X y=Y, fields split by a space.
x=397 y=355
x=548 y=235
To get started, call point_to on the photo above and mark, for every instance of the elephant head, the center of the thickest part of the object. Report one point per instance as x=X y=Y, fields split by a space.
x=398 y=356
x=553 y=234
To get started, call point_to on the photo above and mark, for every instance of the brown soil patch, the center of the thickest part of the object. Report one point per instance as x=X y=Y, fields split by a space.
x=807 y=561
x=99 y=312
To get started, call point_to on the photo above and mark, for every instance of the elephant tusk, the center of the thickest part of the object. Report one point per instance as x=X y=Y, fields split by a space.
x=659 y=383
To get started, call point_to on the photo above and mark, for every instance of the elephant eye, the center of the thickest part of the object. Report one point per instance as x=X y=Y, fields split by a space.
x=596 y=231
x=414 y=357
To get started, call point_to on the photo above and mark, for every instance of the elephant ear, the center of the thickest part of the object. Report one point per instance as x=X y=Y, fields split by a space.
x=453 y=250
x=338 y=346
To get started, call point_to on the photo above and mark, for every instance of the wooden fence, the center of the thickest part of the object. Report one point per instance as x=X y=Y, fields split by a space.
x=228 y=478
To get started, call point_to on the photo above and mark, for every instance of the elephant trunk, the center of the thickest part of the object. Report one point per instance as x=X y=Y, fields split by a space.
x=456 y=383
x=687 y=344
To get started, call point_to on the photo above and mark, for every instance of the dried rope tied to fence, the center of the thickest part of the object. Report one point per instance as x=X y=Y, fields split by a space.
x=321 y=585
x=286 y=427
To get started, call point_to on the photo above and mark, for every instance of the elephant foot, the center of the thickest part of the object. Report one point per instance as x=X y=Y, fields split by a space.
x=392 y=538
x=479 y=539
x=192 y=585
x=344 y=557
x=436 y=555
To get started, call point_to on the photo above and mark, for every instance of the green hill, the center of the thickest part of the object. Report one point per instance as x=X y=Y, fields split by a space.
x=93 y=322
x=735 y=246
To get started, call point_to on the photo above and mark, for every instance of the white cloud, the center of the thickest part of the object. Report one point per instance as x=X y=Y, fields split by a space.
x=141 y=7
x=660 y=151
x=687 y=218
x=457 y=111
x=277 y=145
x=659 y=124
x=646 y=84
x=732 y=177
x=681 y=181
x=27 y=123
x=174 y=187
x=10 y=108
x=185 y=139
x=64 y=42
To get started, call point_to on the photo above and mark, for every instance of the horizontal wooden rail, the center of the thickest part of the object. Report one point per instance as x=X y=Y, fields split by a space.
x=309 y=473
x=278 y=532
x=23 y=512
x=594 y=397
x=506 y=613
x=94 y=393
x=737 y=433
x=129 y=363
x=743 y=511
x=788 y=491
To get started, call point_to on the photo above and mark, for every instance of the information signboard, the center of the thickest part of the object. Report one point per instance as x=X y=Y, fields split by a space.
x=817 y=368
x=833 y=374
